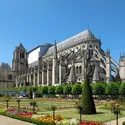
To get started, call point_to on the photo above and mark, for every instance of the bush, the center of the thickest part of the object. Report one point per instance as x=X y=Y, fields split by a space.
x=39 y=91
x=76 y=89
x=99 y=89
x=59 y=89
x=112 y=89
x=51 y=90
x=87 y=102
x=122 y=89
x=45 y=90
x=30 y=92
x=67 y=89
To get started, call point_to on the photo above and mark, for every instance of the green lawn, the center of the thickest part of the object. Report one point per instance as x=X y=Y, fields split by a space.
x=101 y=116
x=41 y=103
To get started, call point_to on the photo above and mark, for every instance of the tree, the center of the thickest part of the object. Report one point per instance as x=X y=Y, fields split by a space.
x=112 y=89
x=45 y=90
x=39 y=91
x=33 y=104
x=122 y=89
x=87 y=102
x=51 y=90
x=76 y=89
x=99 y=89
x=67 y=89
x=59 y=89
x=53 y=108
x=30 y=92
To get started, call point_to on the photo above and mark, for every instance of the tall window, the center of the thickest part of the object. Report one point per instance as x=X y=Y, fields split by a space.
x=77 y=69
x=21 y=54
x=80 y=69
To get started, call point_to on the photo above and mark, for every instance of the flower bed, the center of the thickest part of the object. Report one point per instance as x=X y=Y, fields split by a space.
x=90 y=123
x=47 y=118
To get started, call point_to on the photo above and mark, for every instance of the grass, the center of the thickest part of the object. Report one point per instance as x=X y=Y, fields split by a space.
x=101 y=116
x=41 y=103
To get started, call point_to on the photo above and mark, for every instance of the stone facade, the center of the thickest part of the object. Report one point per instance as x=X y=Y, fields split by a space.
x=7 y=76
x=66 y=62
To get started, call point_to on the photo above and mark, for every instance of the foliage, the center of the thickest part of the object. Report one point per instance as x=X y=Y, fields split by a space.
x=67 y=89
x=87 y=102
x=99 y=89
x=112 y=89
x=30 y=92
x=72 y=121
x=122 y=89
x=51 y=90
x=39 y=91
x=45 y=90
x=59 y=89
x=33 y=103
x=53 y=108
x=76 y=89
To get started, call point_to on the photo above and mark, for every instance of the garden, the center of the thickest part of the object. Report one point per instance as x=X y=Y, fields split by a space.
x=62 y=105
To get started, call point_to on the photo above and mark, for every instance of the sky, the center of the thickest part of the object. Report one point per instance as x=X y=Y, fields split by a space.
x=36 y=22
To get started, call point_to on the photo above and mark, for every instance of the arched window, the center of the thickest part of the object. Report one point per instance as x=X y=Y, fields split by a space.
x=90 y=52
x=10 y=77
x=80 y=69
x=21 y=54
x=77 y=69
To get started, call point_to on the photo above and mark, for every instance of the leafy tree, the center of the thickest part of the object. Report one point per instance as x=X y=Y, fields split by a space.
x=99 y=89
x=67 y=89
x=76 y=89
x=53 y=108
x=59 y=89
x=30 y=92
x=45 y=90
x=33 y=103
x=122 y=89
x=51 y=90
x=39 y=91
x=112 y=89
x=87 y=102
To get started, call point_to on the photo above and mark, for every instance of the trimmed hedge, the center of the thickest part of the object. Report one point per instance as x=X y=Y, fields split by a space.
x=26 y=119
x=123 y=123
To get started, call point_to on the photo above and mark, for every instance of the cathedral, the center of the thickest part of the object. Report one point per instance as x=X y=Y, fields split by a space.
x=67 y=62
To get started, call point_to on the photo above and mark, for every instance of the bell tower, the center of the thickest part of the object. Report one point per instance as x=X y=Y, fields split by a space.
x=19 y=62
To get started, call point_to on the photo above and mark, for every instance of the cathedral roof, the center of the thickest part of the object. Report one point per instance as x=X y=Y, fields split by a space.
x=4 y=66
x=82 y=36
x=21 y=47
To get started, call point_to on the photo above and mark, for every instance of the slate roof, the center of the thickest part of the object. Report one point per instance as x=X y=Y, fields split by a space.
x=22 y=47
x=5 y=66
x=82 y=36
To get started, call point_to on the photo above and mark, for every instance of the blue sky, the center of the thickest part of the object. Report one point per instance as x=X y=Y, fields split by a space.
x=35 y=22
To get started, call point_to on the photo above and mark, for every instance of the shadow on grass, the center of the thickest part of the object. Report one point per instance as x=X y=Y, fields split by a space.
x=100 y=112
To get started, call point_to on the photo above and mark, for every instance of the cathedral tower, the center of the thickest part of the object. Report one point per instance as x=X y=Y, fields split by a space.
x=19 y=61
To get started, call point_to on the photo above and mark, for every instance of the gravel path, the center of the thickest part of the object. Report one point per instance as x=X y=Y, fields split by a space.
x=120 y=121
x=10 y=121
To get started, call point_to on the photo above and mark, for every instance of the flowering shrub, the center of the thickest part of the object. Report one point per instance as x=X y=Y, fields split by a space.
x=90 y=123
x=72 y=121
x=11 y=111
x=26 y=115
x=48 y=118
